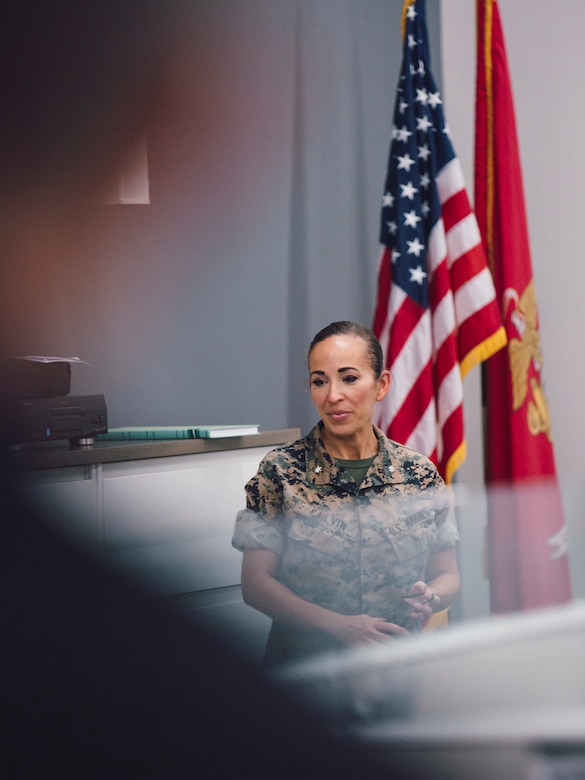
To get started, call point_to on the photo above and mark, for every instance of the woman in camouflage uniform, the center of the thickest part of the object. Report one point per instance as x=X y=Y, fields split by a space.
x=347 y=536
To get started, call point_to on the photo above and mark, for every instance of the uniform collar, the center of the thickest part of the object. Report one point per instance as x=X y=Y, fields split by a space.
x=322 y=469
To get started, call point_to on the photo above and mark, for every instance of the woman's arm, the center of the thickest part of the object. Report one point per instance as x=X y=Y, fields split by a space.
x=440 y=586
x=261 y=590
x=443 y=577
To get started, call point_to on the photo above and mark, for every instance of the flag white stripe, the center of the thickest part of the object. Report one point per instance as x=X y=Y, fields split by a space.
x=462 y=237
x=450 y=180
x=443 y=320
x=472 y=296
x=450 y=394
x=407 y=367
x=424 y=436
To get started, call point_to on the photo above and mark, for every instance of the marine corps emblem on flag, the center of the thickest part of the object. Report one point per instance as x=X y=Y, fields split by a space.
x=521 y=315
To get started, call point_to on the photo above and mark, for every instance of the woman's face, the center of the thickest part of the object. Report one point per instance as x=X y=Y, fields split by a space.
x=344 y=387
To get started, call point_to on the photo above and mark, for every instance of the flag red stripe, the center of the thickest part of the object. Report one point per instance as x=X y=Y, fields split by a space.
x=403 y=325
x=453 y=436
x=454 y=209
x=466 y=337
x=419 y=397
x=467 y=267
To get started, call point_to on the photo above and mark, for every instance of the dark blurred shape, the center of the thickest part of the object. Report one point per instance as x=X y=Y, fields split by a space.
x=98 y=680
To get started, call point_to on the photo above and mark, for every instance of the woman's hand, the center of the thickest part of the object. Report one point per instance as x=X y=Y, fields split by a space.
x=423 y=601
x=362 y=629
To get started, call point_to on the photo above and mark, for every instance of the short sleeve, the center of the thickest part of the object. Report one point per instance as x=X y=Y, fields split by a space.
x=253 y=530
x=259 y=525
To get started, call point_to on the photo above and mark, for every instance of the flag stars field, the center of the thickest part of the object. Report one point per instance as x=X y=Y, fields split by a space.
x=423 y=123
x=411 y=218
x=403 y=134
x=405 y=162
x=415 y=248
x=417 y=275
x=435 y=100
x=408 y=190
x=423 y=152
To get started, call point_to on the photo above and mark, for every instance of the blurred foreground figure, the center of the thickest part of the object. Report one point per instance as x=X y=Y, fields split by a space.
x=98 y=680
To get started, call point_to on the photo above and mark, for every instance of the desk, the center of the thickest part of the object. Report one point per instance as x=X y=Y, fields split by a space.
x=161 y=511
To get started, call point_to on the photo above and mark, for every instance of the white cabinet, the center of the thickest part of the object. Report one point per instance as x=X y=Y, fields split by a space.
x=170 y=520
x=167 y=522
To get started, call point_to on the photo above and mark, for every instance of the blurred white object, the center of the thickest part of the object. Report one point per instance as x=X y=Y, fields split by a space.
x=500 y=697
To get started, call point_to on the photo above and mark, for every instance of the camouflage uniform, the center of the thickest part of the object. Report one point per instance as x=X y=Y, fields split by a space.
x=350 y=548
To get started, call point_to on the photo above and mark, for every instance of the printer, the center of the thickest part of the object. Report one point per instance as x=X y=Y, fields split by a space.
x=35 y=404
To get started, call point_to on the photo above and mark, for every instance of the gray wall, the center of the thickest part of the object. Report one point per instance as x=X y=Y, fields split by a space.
x=266 y=170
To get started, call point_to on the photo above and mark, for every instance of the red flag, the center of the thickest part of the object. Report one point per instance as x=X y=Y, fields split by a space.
x=436 y=312
x=527 y=549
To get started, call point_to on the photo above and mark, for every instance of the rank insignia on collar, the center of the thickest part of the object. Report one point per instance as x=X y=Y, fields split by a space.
x=318 y=469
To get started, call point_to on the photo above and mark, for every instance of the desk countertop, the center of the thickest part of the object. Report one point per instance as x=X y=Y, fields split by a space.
x=61 y=454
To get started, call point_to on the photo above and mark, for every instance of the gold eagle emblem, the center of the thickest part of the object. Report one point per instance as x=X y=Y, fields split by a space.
x=524 y=350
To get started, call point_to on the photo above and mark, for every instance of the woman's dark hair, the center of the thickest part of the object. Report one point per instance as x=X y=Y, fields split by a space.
x=346 y=328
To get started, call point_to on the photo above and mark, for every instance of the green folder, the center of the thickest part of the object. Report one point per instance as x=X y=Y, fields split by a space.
x=170 y=432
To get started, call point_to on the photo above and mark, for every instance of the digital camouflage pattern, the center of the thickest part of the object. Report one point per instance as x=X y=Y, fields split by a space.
x=352 y=549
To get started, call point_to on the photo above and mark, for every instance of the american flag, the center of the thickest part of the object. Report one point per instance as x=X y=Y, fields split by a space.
x=436 y=314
